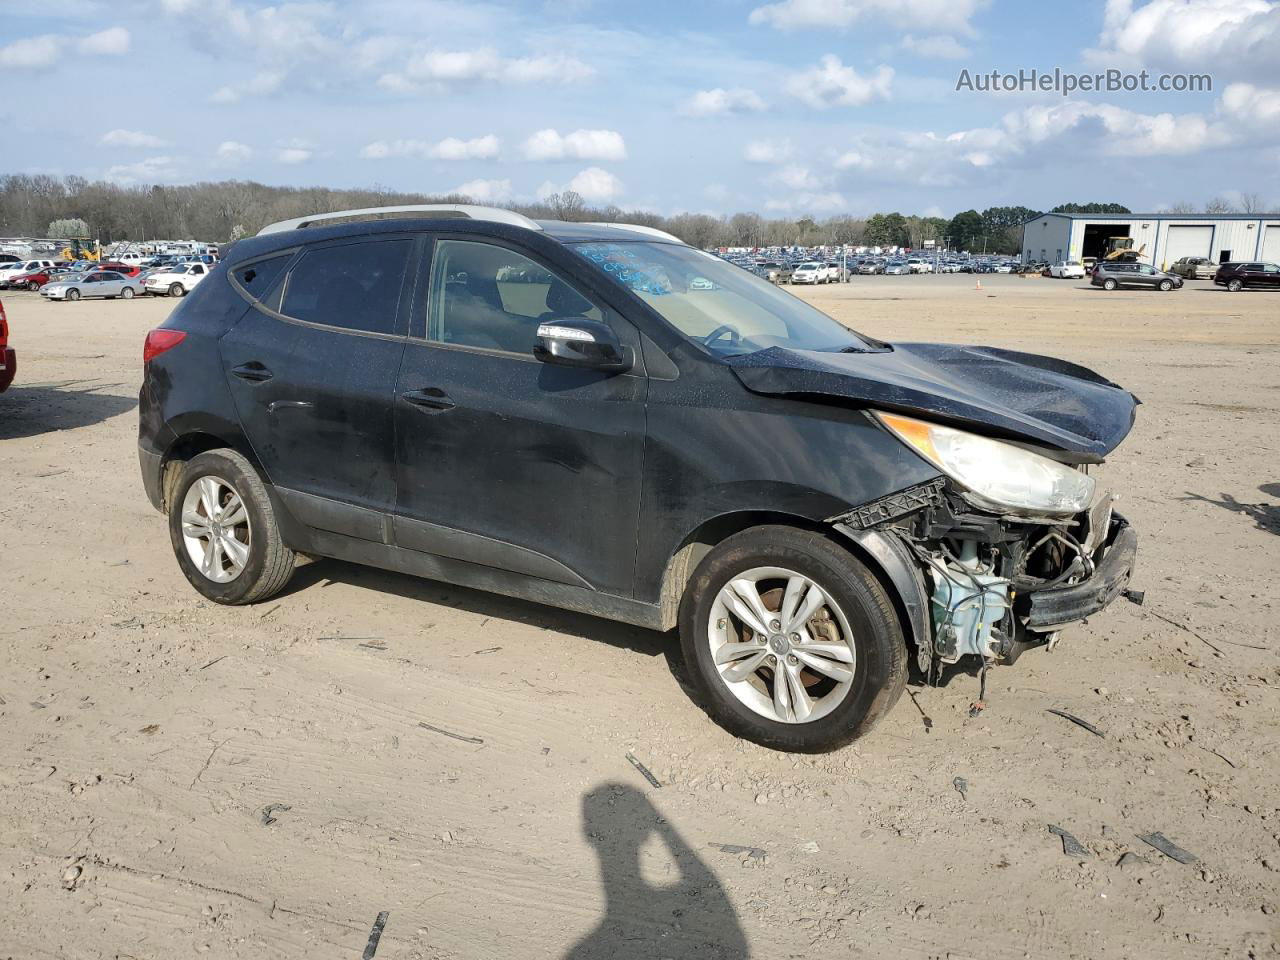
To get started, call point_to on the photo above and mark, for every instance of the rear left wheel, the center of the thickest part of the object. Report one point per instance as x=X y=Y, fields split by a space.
x=792 y=643
x=224 y=532
x=176 y=290
x=127 y=293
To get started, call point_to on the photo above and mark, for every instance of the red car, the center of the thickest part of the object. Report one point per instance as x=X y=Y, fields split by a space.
x=8 y=359
x=127 y=269
x=32 y=281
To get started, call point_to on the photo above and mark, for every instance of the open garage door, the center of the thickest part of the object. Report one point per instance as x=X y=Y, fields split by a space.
x=1187 y=242
x=1271 y=243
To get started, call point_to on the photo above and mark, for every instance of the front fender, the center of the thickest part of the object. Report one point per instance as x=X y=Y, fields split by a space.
x=898 y=566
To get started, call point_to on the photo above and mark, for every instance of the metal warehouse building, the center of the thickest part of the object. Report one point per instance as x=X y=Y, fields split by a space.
x=1161 y=238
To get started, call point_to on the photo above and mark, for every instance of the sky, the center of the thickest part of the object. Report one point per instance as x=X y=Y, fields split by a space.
x=785 y=108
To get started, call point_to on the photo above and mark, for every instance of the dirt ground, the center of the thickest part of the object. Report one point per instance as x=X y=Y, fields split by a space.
x=182 y=779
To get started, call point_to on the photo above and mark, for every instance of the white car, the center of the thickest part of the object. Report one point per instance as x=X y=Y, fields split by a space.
x=22 y=266
x=810 y=272
x=178 y=280
x=1067 y=270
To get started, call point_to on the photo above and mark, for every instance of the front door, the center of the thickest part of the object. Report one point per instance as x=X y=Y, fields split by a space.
x=312 y=367
x=505 y=461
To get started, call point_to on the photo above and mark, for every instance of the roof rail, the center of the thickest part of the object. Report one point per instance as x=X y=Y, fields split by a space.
x=638 y=228
x=464 y=211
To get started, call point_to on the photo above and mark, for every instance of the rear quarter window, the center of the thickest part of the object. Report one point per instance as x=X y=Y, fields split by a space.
x=352 y=286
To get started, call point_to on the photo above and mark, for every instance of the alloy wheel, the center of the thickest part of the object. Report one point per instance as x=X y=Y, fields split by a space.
x=216 y=529
x=782 y=645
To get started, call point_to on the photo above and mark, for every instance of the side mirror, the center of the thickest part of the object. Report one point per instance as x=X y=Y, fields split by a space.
x=579 y=342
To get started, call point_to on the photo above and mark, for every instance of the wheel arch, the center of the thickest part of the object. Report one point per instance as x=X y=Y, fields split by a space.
x=189 y=444
x=889 y=562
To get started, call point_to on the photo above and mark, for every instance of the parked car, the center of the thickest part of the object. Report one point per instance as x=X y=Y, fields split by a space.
x=870 y=267
x=32 y=281
x=810 y=272
x=1194 y=268
x=777 y=272
x=896 y=268
x=1067 y=270
x=178 y=280
x=1237 y=276
x=1109 y=276
x=652 y=436
x=8 y=358
x=22 y=268
x=125 y=269
x=106 y=284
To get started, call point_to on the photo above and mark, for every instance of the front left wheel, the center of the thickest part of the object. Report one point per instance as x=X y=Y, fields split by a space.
x=791 y=642
x=223 y=530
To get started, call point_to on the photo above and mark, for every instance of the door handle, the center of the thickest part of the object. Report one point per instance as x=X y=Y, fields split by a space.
x=252 y=371
x=275 y=405
x=429 y=398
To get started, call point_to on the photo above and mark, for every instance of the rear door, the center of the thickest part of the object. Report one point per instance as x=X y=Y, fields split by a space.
x=505 y=461
x=312 y=367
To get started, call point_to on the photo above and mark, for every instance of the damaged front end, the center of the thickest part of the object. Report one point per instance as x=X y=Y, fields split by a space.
x=977 y=578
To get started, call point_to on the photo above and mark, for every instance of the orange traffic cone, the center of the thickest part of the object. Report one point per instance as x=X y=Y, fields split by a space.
x=978 y=285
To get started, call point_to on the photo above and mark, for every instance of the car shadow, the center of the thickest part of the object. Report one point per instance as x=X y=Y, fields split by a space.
x=325 y=571
x=1265 y=515
x=687 y=914
x=31 y=410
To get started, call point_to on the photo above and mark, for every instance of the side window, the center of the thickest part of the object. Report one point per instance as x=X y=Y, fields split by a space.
x=355 y=286
x=257 y=279
x=488 y=296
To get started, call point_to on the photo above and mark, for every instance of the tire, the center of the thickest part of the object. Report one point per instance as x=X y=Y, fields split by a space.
x=127 y=293
x=33 y=286
x=1166 y=285
x=1235 y=286
x=73 y=294
x=851 y=598
x=1109 y=284
x=176 y=290
x=268 y=562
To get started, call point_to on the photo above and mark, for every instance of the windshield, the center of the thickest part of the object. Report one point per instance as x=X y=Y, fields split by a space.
x=728 y=310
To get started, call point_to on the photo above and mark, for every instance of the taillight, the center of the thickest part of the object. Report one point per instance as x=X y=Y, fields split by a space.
x=158 y=341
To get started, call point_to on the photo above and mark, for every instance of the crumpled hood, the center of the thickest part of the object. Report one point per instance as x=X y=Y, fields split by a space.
x=1024 y=396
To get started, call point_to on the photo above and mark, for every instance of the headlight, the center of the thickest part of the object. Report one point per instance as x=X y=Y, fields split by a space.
x=998 y=474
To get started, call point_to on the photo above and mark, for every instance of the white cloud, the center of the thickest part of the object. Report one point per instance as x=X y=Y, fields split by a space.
x=943 y=16
x=767 y=151
x=31 y=53
x=937 y=47
x=131 y=138
x=263 y=83
x=710 y=103
x=232 y=152
x=112 y=42
x=1059 y=133
x=596 y=185
x=832 y=84
x=1233 y=37
x=151 y=170
x=36 y=53
x=592 y=184
x=485 y=191
x=830 y=202
x=450 y=148
x=439 y=69
x=1252 y=105
x=294 y=153
x=579 y=145
x=799 y=178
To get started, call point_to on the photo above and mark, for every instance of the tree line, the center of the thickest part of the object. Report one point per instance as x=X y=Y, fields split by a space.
x=31 y=205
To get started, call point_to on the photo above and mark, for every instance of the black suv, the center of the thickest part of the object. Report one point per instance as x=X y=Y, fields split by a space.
x=601 y=418
x=1237 y=276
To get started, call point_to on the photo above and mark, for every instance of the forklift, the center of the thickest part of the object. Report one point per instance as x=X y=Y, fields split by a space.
x=82 y=248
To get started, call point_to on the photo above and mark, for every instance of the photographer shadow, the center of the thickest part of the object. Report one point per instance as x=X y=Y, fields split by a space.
x=690 y=916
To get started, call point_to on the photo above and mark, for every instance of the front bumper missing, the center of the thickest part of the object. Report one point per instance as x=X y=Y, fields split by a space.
x=1055 y=606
